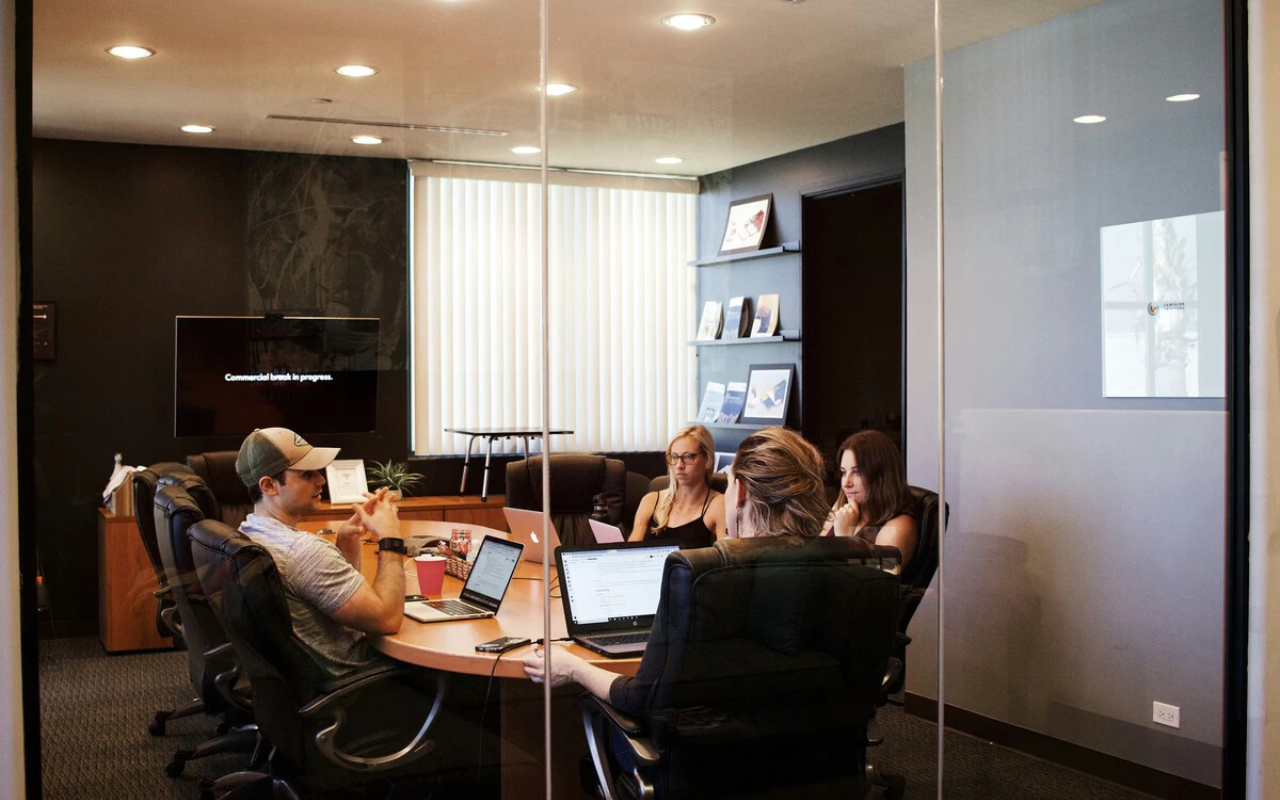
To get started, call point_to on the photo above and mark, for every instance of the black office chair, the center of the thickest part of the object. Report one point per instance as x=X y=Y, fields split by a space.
x=217 y=469
x=577 y=480
x=915 y=582
x=759 y=678
x=324 y=733
x=718 y=481
x=211 y=662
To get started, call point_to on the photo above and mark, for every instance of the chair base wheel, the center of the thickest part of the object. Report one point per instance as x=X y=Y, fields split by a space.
x=175 y=767
x=156 y=728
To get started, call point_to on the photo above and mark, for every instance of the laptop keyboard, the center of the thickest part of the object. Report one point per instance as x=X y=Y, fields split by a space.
x=621 y=638
x=452 y=607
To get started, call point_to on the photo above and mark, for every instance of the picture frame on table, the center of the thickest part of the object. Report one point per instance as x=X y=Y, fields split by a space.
x=745 y=225
x=768 y=394
x=346 y=481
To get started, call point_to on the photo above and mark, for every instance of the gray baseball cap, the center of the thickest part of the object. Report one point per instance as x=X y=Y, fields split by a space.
x=270 y=451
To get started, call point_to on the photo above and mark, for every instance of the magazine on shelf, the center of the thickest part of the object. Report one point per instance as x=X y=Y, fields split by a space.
x=711 y=400
x=712 y=320
x=766 y=323
x=735 y=396
x=737 y=320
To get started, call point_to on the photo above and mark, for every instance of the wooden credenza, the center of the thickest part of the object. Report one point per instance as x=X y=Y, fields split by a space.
x=126 y=580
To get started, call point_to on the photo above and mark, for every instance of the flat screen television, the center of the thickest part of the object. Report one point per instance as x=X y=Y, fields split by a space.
x=310 y=374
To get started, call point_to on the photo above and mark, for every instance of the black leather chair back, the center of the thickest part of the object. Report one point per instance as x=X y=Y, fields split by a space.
x=764 y=667
x=576 y=480
x=718 y=481
x=175 y=511
x=919 y=572
x=218 y=470
x=244 y=588
x=144 y=493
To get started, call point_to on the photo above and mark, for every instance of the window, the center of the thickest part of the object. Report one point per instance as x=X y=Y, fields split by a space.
x=620 y=301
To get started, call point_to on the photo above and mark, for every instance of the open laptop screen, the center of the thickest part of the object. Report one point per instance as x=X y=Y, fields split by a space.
x=491 y=573
x=612 y=584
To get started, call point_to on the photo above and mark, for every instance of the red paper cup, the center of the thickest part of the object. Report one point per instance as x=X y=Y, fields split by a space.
x=430 y=574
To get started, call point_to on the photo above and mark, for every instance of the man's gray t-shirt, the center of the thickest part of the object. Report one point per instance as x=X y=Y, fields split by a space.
x=318 y=580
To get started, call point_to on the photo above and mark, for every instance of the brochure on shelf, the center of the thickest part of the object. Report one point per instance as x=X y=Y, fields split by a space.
x=712 y=321
x=766 y=320
x=737 y=321
x=735 y=396
x=712 y=398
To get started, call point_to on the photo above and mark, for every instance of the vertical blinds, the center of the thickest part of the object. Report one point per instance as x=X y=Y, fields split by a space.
x=620 y=297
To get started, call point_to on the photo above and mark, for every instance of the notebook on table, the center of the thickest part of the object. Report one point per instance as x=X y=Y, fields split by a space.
x=526 y=528
x=482 y=593
x=604 y=532
x=611 y=593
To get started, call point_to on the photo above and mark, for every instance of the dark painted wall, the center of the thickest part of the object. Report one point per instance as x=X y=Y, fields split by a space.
x=126 y=237
x=866 y=159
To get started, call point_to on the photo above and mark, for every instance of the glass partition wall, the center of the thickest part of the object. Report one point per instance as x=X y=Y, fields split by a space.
x=621 y=221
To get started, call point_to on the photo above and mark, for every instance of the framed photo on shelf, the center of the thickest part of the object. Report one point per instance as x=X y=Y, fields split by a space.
x=723 y=460
x=744 y=229
x=346 y=481
x=768 y=394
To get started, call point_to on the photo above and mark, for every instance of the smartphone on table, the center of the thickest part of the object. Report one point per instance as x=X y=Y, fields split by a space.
x=502 y=644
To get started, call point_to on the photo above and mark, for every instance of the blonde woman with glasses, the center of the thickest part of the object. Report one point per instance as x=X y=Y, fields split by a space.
x=688 y=512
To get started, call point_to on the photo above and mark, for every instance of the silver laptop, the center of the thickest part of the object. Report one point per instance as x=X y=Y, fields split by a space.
x=604 y=532
x=482 y=593
x=611 y=593
x=526 y=528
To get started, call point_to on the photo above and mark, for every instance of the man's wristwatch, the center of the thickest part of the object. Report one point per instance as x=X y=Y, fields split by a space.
x=392 y=544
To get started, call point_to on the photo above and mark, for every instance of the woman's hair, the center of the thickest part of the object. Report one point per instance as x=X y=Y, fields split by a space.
x=782 y=474
x=667 y=497
x=880 y=464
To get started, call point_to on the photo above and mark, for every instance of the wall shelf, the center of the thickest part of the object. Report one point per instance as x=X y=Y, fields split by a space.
x=786 y=248
x=788 y=336
x=731 y=426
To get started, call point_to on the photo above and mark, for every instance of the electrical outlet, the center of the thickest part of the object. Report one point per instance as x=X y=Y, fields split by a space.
x=1164 y=714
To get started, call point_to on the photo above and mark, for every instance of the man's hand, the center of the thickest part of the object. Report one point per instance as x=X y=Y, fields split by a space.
x=377 y=516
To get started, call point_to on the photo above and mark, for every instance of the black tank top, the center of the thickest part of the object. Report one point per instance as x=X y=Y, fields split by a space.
x=693 y=533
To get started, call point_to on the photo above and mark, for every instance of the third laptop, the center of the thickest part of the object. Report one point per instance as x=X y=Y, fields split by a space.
x=611 y=593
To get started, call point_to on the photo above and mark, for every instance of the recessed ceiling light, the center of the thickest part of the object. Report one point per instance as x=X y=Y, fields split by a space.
x=688 y=22
x=526 y=150
x=557 y=89
x=1182 y=98
x=669 y=160
x=356 y=71
x=130 y=51
x=366 y=139
x=198 y=128
x=1090 y=119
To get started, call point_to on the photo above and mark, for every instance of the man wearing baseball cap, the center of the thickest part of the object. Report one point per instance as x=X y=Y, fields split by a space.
x=332 y=605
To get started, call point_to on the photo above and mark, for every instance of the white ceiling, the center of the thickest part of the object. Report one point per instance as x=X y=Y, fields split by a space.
x=771 y=76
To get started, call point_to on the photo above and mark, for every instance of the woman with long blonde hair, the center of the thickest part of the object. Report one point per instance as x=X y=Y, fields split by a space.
x=688 y=512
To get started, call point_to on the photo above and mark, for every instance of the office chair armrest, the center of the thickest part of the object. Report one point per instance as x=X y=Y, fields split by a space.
x=225 y=666
x=339 y=694
x=599 y=719
x=892 y=677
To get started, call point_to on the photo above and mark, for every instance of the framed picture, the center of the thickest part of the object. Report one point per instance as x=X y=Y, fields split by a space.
x=346 y=481
x=768 y=394
x=744 y=230
x=723 y=460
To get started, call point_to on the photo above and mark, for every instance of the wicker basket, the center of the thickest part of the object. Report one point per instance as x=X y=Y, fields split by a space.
x=459 y=568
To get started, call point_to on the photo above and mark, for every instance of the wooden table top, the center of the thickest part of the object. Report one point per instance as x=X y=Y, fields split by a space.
x=451 y=645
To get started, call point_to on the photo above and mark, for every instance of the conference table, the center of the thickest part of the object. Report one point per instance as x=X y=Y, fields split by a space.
x=450 y=646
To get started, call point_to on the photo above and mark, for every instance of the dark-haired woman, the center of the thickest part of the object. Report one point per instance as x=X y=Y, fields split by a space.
x=875 y=503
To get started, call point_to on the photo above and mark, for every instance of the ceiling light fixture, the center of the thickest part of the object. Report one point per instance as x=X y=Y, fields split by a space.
x=366 y=139
x=526 y=150
x=1182 y=98
x=557 y=89
x=130 y=51
x=356 y=71
x=669 y=160
x=197 y=128
x=688 y=22
x=1090 y=119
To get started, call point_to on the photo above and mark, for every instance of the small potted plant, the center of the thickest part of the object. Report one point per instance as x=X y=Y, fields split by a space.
x=394 y=475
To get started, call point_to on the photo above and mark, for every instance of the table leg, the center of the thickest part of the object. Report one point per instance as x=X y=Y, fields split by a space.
x=465 y=461
x=488 y=457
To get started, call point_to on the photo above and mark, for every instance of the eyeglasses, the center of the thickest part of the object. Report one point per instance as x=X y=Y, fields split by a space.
x=685 y=458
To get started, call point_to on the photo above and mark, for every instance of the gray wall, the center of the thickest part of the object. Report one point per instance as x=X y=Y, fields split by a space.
x=1084 y=559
